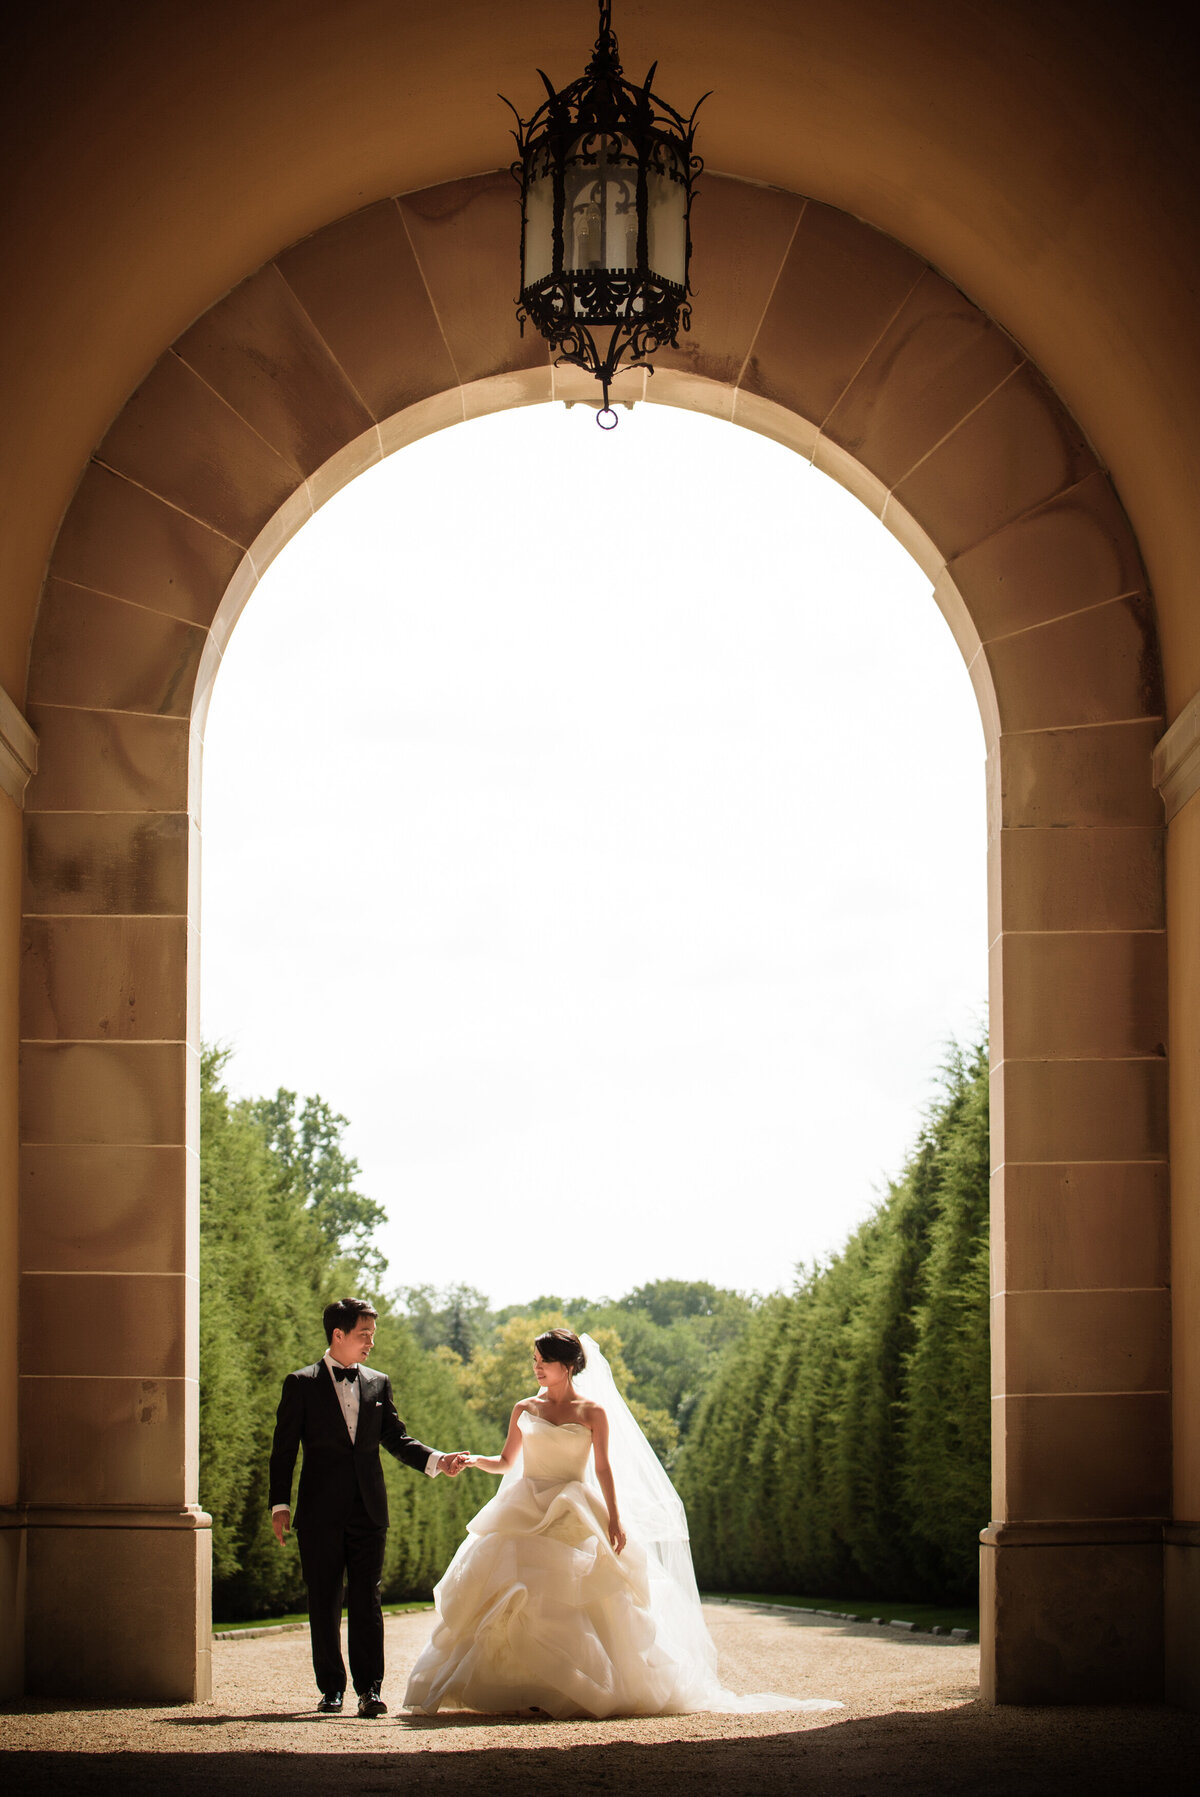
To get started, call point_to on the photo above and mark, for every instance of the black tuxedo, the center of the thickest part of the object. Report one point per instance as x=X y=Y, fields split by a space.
x=341 y=1513
x=336 y=1471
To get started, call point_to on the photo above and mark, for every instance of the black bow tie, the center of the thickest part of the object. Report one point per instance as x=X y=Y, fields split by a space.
x=345 y=1372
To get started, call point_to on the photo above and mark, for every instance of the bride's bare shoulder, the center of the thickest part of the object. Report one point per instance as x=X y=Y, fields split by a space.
x=591 y=1410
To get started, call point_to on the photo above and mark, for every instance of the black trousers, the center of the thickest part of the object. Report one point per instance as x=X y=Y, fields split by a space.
x=337 y=1558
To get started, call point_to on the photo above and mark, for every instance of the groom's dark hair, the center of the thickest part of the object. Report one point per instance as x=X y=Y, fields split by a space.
x=344 y=1313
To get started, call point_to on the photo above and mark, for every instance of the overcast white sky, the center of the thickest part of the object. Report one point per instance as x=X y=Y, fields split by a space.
x=598 y=822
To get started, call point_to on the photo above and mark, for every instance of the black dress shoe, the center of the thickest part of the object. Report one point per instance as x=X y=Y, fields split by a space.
x=330 y=1704
x=370 y=1703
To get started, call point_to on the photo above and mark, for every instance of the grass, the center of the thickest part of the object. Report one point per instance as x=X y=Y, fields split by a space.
x=925 y=1616
x=278 y=1622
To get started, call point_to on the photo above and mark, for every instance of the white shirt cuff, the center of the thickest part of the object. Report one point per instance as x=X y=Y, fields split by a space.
x=433 y=1465
x=276 y=1508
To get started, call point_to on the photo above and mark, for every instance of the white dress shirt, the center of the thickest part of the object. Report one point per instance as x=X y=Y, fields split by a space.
x=348 y=1397
x=347 y=1393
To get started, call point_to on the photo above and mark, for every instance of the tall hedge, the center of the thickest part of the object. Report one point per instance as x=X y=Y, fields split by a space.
x=273 y=1252
x=842 y=1447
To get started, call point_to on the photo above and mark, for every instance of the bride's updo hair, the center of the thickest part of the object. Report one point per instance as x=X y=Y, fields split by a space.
x=563 y=1346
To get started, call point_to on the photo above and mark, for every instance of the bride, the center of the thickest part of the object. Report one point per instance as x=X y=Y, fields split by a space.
x=548 y=1604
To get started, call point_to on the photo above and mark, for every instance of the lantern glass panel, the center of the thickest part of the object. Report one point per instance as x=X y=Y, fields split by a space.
x=600 y=216
x=666 y=222
x=539 y=219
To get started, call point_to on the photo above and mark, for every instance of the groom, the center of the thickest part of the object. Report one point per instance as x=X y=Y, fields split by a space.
x=343 y=1413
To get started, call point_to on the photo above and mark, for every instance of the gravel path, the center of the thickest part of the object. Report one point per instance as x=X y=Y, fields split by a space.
x=913 y=1719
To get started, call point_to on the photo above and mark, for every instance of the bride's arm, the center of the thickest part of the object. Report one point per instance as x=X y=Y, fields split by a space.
x=501 y=1462
x=599 y=1425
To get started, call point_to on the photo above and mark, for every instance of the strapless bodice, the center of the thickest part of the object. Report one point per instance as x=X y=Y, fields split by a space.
x=553 y=1450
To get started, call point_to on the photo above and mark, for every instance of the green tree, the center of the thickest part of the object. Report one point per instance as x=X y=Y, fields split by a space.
x=305 y=1137
x=271 y=1258
x=455 y=1317
x=945 y=1469
x=262 y=1259
x=665 y=1301
x=498 y=1376
x=672 y=1335
x=711 y=1474
x=842 y=1444
x=428 y=1516
x=542 y=1306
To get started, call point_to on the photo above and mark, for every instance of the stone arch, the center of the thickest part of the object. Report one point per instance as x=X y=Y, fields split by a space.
x=820 y=331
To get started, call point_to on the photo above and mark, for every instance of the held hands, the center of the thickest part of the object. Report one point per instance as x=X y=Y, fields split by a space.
x=281 y=1522
x=453 y=1464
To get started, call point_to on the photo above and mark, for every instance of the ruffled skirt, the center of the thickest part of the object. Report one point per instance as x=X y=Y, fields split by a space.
x=536 y=1611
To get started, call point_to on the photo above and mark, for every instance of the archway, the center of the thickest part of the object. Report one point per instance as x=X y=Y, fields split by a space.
x=832 y=338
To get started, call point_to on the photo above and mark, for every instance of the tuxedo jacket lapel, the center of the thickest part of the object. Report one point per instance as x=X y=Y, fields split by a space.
x=369 y=1387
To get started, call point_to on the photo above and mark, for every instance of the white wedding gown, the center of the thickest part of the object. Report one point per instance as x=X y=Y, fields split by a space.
x=536 y=1611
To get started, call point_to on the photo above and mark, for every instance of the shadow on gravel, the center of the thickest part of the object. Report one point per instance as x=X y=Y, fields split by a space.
x=452 y=1719
x=218 y=1719
x=977 y=1750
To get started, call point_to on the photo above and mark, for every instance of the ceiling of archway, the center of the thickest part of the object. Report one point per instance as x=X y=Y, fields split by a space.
x=398 y=320
x=1038 y=156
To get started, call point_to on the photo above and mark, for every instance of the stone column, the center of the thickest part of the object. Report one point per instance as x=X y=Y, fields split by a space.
x=1071 y=1567
x=1177 y=770
x=119 y=1550
x=18 y=758
x=12 y=1531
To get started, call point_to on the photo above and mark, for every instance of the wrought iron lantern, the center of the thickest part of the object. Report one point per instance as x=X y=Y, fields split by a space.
x=606 y=172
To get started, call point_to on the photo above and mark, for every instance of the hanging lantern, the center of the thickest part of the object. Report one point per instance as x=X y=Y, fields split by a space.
x=606 y=172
